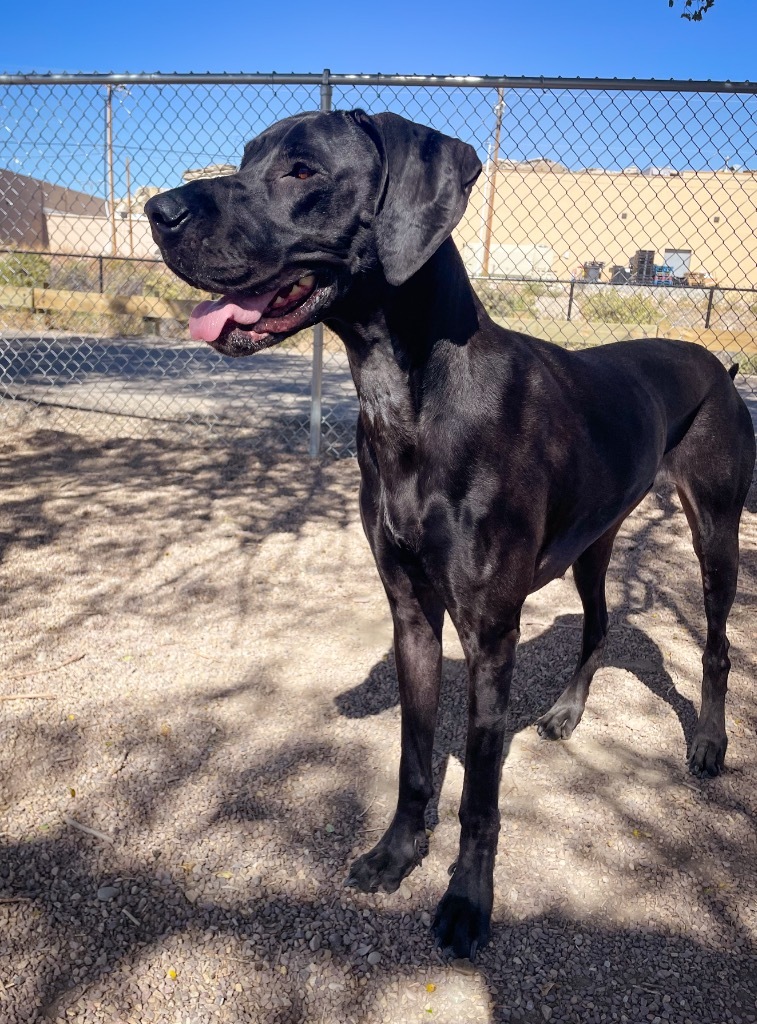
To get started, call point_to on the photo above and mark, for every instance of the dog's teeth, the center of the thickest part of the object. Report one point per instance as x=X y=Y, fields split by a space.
x=294 y=291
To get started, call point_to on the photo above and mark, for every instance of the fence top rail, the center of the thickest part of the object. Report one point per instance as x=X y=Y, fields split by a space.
x=78 y=255
x=62 y=255
x=440 y=81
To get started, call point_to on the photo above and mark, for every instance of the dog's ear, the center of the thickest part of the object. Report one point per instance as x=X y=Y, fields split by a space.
x=427 y=179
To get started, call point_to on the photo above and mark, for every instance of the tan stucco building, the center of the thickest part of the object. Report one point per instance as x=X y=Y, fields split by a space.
x=538 y=220
x=546 y=221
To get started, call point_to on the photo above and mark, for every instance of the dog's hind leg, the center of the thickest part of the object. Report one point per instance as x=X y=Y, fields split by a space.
x=716 y=542
x=589 y=573
x=712 y=468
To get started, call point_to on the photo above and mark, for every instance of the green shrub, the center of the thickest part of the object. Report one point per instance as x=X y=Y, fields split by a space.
x=165 y=286
x=535 y=289
x=24 y=270
x=747 y=364
x=511 y=303
x=74 y=276
x=516 y=303
x=608 y=307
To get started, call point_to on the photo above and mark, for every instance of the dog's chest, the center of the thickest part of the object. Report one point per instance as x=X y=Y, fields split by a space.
x=402 y=520
x=413 y=518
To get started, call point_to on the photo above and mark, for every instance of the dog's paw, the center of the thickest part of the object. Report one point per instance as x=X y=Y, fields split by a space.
x=462 y=924
x=386 y=864
x=707 y=753
x=560 y=721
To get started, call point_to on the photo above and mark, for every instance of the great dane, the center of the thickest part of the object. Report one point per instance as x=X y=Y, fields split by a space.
x=491 y=461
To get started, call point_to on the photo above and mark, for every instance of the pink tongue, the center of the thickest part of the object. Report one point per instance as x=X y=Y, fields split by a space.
x=209 y=318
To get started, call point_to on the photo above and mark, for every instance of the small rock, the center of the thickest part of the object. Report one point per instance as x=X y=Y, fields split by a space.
x=426 y=919
x=546 y=1011
x=405 y=891
x=374 y=957
x=107 y=892
x=463 y=966
x=315 y=943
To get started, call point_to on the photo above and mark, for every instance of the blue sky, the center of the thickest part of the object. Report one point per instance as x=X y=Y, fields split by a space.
x=57 y=134
x=623 y=38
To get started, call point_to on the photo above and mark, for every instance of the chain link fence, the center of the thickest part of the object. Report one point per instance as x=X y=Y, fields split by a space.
x=606 y=210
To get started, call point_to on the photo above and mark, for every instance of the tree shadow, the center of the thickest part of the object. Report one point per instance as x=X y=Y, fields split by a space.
x=230 y=829
x=547 y=674
x=121 y=506
x=545 y=662
x=269 y=905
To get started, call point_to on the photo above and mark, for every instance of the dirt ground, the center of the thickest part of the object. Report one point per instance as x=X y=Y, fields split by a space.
x=216 y=701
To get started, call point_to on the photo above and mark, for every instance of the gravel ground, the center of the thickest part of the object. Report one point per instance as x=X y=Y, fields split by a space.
x=223 y=717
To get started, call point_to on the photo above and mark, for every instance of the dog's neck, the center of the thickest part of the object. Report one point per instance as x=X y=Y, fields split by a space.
x=408 y=347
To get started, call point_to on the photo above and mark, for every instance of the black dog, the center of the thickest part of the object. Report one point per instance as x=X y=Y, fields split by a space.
x=490 y=461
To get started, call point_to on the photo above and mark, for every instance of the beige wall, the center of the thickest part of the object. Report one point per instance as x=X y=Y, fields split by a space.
x=70 y=233
x=574 y=217
x=547 y=223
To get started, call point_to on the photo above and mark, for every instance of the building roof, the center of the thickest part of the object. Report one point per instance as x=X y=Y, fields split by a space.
x=211 y=171
x=25 y=201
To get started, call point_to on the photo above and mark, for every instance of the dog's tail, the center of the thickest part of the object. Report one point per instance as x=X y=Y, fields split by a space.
x=733 y=370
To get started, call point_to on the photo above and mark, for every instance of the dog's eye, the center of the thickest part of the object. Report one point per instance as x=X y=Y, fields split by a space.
x=301 y=171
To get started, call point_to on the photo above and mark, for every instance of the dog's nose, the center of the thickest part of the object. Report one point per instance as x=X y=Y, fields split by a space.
x=168 y=213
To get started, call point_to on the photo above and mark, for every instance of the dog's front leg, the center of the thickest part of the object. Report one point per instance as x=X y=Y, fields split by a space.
x=418 y=620
x=463 y=918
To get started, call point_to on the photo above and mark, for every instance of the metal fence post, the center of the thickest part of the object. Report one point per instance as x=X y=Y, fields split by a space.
x=570 y=299
x=708 y=314
x=316 y=380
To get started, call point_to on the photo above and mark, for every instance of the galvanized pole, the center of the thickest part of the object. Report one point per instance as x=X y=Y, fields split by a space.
x=128 y=202
x=708 y=314
x=109 y=159
x=316 y=381
x=493 y=181
x=570 y=299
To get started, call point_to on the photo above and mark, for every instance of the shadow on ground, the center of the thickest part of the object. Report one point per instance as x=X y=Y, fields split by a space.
x=69 y=953
x=536 y=660
x=229 y=816
x=119 y=509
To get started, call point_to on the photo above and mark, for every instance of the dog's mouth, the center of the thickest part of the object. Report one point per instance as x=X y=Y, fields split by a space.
x=243 y=324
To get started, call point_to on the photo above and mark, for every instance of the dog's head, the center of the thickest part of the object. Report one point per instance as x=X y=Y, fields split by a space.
x=318 y=199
